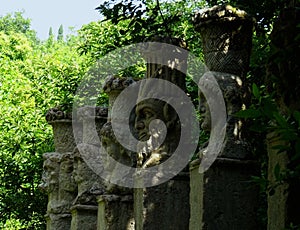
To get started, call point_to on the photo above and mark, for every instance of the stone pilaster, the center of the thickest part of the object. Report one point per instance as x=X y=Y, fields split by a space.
x=278 y=194
x=167 y=205
x=84 y=217
x=115 y=212
x=58 y=221
x=224 y=196
x=155 y=206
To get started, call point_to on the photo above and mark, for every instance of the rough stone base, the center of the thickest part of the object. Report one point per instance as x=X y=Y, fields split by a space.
x=166 y=206
x=58 y=221
x=84 y=217
x=115 y=212
x=224 y=197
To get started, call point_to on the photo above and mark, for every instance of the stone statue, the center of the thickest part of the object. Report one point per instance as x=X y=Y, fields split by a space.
x=235 y=98
x=89 y=184
x=232 y=89
x=67 y=185
x=167 y=62
x=153 y=110
x=50 y=180
x=113 y=147
x=115 y=150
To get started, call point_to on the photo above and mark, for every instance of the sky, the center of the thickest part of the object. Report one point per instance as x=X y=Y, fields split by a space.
x=53 y=13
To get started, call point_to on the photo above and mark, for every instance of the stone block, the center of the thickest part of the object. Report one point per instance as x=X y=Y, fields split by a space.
x=84 y=217
x=115 y=212
x=224 y=197
x=58 y=221
x=166 y=206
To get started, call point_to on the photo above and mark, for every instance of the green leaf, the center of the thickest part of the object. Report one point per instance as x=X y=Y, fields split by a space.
x=255 y=91
x=248 y=113
x=296 y=115
x=282 y=122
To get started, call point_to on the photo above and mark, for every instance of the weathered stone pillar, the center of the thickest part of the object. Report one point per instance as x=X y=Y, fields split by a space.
x=89 y=184
x=278 y=195
x=224 y=196
x=58 y=221
x=84 y=217
x=115 y=207
x=165 y=206
x=115 y=212
x=57 y=178
x=58 y=215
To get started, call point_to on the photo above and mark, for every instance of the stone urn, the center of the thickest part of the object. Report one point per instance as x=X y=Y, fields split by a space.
x=226 y=34
x=113 y=86
x=64 y=130
x=164 y=54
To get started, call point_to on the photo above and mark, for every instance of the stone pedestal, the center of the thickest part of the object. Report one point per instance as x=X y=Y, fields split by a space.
x=115 y=212
x=224 y=197
x=84 y=217
x=58 y=221
x=166 y=206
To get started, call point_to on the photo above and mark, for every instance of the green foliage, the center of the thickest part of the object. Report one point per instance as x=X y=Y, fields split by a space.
x=17 y=23
x=14 y=46
x=148 y=18
x=265 y=118
x=33 y=78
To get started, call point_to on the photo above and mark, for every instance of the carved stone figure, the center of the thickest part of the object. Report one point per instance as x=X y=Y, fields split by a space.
x=115 y=150
x=232 y=89
x=89 y=184
x=67 y=185
x=113 y=147
x=235 y=98
x=50 y=180
x=149 y=111
x=156 y=121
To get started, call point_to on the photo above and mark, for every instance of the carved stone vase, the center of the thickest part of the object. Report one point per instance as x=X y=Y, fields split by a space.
x=64 y=130
x=226 y=34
